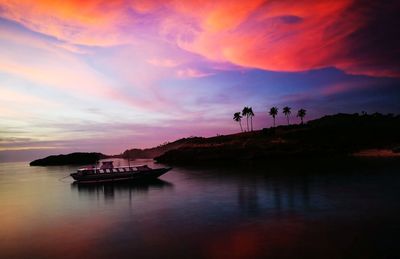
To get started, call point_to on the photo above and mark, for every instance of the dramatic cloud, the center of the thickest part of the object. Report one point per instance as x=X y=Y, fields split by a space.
x=302 y=35
x=357 y=37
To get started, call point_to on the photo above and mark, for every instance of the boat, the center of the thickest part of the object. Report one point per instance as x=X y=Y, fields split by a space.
x=107 y=172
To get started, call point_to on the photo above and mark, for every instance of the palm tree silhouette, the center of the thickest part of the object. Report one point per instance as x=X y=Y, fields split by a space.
x=237 y=117
x=287 y=112
x=245 y=112
x=273 y=112
x=251 y=115
x=301 y=113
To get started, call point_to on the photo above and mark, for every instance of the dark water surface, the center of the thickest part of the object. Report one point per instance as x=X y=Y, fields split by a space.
x=284 y=210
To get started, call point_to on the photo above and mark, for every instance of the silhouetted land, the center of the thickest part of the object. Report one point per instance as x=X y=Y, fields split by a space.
x=159 y=150
x=69 y=159
x=338 y=135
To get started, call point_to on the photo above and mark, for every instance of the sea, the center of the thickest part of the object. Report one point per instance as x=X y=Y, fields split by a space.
x=280 y=209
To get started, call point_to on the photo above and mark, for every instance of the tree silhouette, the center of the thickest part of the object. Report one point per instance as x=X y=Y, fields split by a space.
x=237 y=117
x=245 y=112
x=251 y=115
x=301 y=113
x=287 y=112
x=273 y=112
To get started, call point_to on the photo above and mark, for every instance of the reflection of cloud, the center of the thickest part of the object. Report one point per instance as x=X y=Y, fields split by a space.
x=75 y=242
x=260 y=240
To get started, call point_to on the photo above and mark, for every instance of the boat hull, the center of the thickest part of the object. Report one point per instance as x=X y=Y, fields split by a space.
x=123 y=176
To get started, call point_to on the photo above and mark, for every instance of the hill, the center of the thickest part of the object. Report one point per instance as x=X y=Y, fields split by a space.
x=69 y=159
x=334 y=135
x=161 y=149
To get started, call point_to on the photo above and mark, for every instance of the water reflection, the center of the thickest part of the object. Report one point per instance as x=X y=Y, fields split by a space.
x=258 y=190
x=108 y=190
x=277 y=211
x=276 y=195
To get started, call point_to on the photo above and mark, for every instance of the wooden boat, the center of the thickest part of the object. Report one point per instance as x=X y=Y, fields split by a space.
x=107 y=172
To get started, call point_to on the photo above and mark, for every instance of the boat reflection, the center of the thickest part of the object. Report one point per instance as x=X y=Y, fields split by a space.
x=109 y=190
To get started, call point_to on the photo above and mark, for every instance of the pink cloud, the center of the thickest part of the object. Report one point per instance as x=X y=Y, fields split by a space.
x=191 y=73
x=52 y=66
x=15 y=98
x=267 y=39
x=163 y=62
x=273 y=35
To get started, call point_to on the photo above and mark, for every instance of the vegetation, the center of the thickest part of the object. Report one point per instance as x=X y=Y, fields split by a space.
x=287 y=112
x=251 y=115
x=273 y=112
x=246 y=113
x=301 y=113
x=237 y=117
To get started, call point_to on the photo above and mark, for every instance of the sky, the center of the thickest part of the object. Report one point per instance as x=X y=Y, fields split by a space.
x=111 y=75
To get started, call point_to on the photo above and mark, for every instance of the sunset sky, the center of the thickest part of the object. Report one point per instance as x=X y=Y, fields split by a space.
x=110 y=75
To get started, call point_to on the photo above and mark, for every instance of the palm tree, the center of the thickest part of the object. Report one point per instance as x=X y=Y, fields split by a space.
x=273 y=112
x=245 y=112
x=251 y=114
x=301 y=113
x=237 y=117
x=287 y=112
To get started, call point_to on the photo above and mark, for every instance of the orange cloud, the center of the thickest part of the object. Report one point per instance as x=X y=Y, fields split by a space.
x=90 y=22
x=269 y=35
x=280 y=36
x=217 y=15
x=145 y=6
x=293 y=36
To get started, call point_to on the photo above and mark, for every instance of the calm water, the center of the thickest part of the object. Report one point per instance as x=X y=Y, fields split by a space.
x=285 y=210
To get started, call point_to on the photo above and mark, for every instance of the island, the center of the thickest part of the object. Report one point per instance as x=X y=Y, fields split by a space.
x=78 y=158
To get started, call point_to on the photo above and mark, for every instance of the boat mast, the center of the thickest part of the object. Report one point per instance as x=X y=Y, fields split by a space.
x=129 y=159
x=95 y=166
